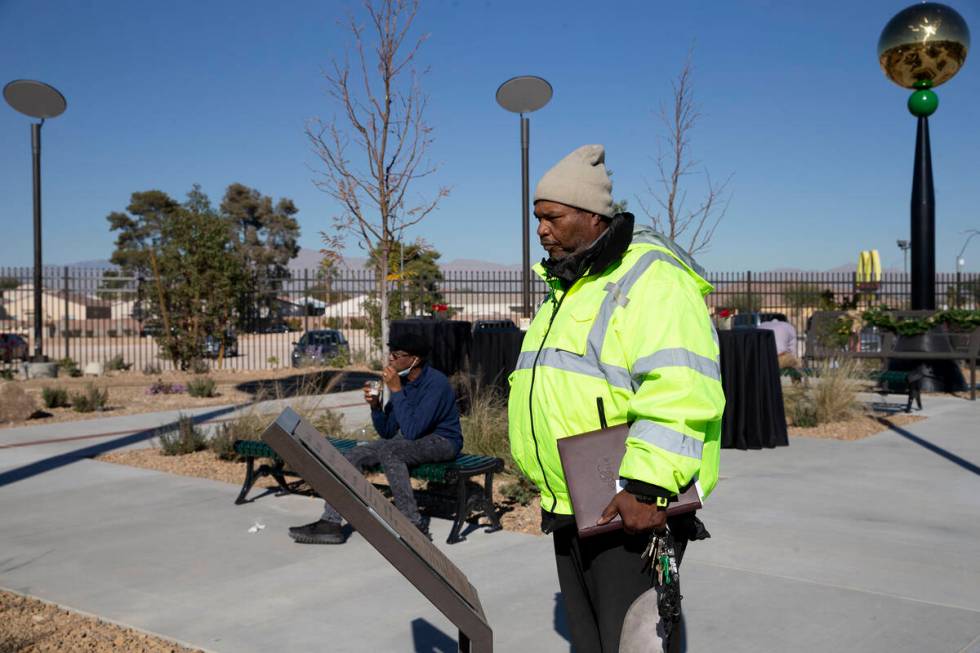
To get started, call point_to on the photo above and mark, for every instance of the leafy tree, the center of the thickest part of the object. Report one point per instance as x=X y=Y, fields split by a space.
x=195 y=275
x=414 y=269
x=140 y=230
x=264 y=234
x=113 y=287
x=200 y=276
x=8 y=283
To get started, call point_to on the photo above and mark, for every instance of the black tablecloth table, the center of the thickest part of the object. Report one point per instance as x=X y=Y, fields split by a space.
x=754 y=416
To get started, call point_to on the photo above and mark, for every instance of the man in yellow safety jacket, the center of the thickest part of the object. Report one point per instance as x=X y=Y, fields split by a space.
x=624 y=322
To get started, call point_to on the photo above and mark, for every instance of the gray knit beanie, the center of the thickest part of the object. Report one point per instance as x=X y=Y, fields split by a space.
x=579 y=180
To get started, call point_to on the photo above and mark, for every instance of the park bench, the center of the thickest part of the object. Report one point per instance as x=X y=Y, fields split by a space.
x=963 y=346
x=469 y=497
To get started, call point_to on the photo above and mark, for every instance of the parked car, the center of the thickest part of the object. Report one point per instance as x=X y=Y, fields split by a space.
x=12 y=347
x=320 y=347
x=212 y=345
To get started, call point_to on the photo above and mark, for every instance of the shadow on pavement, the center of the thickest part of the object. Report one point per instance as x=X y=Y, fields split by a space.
x=939 y=451
x=561 y=618
x=426 y=638
x=60 y=460
x=308 y=383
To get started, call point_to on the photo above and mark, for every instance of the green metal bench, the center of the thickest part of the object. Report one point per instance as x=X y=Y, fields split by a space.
x=457 y=472
x=910 y=382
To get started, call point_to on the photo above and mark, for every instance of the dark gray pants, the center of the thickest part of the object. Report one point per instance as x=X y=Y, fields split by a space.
x=395 y=457
x=601 y=576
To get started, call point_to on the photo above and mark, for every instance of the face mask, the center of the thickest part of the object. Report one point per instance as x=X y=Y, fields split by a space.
x=406 y=371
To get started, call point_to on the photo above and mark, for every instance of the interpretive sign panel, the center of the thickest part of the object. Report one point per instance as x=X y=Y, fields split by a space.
x=321 y=465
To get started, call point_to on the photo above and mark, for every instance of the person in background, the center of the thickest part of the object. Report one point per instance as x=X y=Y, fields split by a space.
x=420 y=424
x=785 y=341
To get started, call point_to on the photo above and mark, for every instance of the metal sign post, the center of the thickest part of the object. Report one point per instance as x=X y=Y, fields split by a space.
x=321 y=465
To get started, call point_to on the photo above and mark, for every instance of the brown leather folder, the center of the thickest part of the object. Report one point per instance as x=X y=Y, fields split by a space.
x=591 y=465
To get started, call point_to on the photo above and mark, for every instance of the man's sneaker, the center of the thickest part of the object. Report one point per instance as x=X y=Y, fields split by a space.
x=319 y=532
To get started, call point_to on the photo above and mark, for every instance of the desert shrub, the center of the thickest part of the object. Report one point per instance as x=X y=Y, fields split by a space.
x=69 y=366
x=485 y=422
x=273 y=361
x=835 y=394
x=199 y=366
x=329 y=422
x=90 y=400
x=830 y=396
x=521 y=491
x=799 y=407
x=160 y=387
x=15 y=404
x=151 y=369
x=201 y=387
x=54 y=397
x=117 y=364
x=247 y=426
x=341 y=359
x=182 y=438
x=7 y=374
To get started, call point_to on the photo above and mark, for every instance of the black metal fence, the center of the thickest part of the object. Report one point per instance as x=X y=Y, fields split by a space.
x=92 y=317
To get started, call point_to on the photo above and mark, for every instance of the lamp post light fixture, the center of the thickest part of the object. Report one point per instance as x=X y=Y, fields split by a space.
x=904 y=245
x=37 y=100
x=921 y=47
x=524 y=94
x=960 y=262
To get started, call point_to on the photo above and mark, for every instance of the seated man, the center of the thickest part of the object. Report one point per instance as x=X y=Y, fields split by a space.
x=785 y=342
x=420 y=424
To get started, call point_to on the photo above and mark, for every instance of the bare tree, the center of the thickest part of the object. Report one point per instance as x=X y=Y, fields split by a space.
x=375 y=149
x=692 y=228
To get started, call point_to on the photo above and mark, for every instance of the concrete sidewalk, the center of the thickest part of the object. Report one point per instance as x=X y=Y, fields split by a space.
x=820 y=546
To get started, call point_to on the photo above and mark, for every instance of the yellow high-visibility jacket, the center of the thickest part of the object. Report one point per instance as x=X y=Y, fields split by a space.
x=638 y=335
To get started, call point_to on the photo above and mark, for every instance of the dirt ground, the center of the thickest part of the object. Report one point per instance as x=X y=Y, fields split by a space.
x=31 y=626
x=128 y=391
x=857 y=428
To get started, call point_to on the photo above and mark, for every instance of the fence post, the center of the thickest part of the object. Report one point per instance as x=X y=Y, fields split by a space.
x=306 y=299
x=748 y=291
x=67 y=354
x=958 y=279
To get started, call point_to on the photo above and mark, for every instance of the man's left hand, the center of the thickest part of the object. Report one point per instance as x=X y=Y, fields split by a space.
x=637 y=517
x=391 y=379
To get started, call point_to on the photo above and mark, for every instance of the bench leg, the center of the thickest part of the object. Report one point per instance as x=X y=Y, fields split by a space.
x=462 y=510
x=277 y=474
x=488 y=508
x=249 y=480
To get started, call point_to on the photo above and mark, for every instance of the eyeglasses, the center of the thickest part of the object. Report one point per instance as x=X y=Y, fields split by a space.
x=395 y=355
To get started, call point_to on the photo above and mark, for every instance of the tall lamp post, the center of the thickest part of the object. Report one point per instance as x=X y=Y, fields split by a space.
x=524 y=94
x=921 y=47
x=37 y=100
x=904 y=245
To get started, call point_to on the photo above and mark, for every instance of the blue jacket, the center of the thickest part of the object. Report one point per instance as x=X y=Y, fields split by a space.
x=423 y=406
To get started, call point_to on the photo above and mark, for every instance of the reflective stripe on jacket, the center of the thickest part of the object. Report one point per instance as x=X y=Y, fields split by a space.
x=638 y=335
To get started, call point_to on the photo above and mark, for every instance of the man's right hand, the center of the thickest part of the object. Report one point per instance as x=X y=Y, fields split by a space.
x=374 y=401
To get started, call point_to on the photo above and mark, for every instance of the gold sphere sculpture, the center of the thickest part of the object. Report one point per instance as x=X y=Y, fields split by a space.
x=923 y=45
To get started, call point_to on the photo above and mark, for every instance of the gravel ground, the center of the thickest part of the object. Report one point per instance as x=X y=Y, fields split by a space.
x=31 y=626
x=128 y=391
x=857 y=428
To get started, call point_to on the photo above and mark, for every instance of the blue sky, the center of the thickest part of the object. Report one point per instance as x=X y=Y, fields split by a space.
x=163 y=95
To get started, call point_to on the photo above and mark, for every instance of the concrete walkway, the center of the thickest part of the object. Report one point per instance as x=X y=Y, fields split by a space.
x=820 y=546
